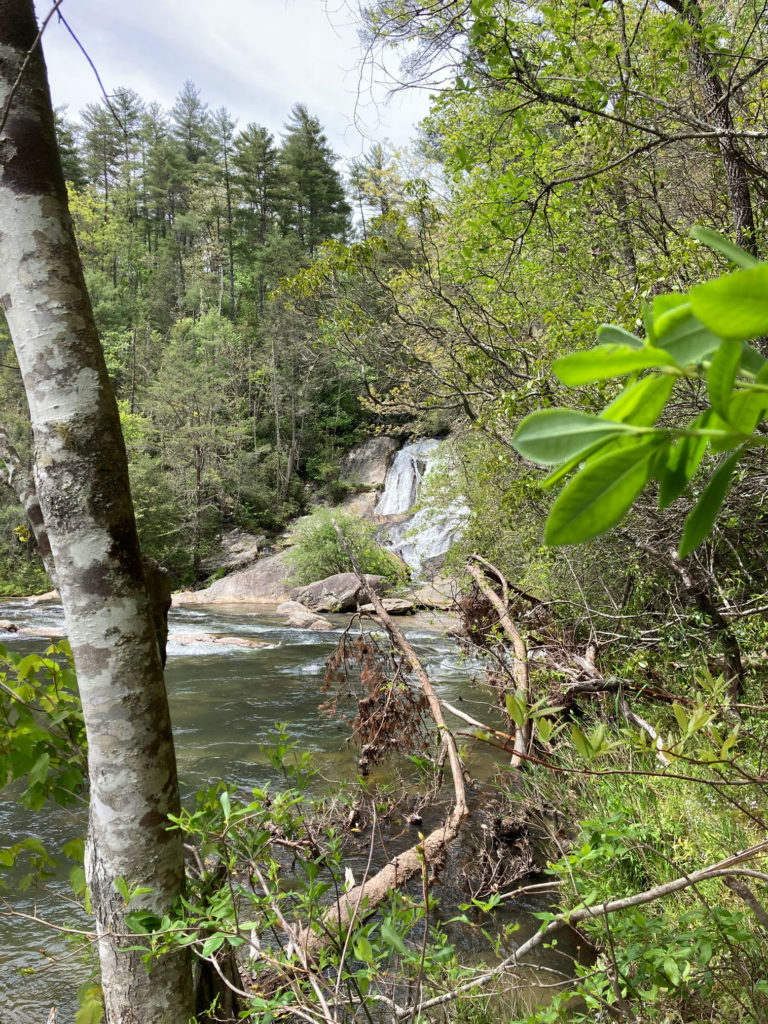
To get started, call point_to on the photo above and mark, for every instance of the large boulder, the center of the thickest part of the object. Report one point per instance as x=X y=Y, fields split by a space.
x=306 y=619
x=439 y=596
x=300 y=617
x=340 y=593
x=265 y=583
x=366 y=465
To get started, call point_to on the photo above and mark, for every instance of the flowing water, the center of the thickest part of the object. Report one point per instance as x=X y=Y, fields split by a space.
x=426 y=534
x=224 y=702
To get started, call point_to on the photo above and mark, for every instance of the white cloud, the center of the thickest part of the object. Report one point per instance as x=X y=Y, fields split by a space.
x=256 y=57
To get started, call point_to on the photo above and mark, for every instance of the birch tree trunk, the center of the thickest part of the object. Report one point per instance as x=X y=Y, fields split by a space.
x=81 y=478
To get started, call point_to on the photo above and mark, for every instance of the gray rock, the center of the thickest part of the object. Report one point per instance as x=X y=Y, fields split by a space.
x=440 y=595
x=265 y=583
x=8 y=627
x=237 y=550
x=305 y=619
x=393 y=605
x=339 y=593
x=366 y=465
x=291 y=608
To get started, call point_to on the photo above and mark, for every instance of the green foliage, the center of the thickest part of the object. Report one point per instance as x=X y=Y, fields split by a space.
x=42 y=741
x=318 y=551
x=614 y=456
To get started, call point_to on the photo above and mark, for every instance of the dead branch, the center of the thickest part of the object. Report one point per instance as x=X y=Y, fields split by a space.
x=723 y=869
x=520 y=660
x=371 y=892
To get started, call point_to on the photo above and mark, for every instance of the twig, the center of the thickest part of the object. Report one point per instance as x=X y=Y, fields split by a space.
x=722 y=869
x=104 y=92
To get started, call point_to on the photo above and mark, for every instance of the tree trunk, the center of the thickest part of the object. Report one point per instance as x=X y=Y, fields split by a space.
x=17 y=476
x=82 y=485
x=717 y=107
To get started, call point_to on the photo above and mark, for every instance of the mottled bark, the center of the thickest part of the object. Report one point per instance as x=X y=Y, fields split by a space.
x=16 y=475
x=81 y=478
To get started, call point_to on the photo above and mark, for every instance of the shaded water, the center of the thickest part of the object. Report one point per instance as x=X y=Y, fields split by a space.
x=224 y=702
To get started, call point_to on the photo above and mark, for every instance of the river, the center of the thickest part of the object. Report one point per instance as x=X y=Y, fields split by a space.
x=224 y=701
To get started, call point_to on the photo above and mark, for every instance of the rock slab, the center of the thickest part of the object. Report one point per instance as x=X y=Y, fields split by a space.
x=265 y=583
x=393 y=605
x=339 y=593
x=366 y=465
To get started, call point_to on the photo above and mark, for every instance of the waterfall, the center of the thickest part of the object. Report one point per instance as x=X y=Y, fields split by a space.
x=428 y=533
x=404 y=476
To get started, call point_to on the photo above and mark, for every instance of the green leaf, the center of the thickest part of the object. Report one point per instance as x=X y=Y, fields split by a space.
x=600 y=494
x=682 y=718
x=685 y=338
x=746 y=410
x=735 y=305
x=721 y=375
x=553 y=435
x=225 y=804
x=91 y=1006
x=610 y=334
x=682 y=463
x=517 y=708
x=213 y=942
x=580 y=742
x=724 y=246
x=565 y=468
x=705 y=511
x=392 y=939
x=641 y=402
x=39 y=770
x=751 y=360
x=663 y=304
x=544 y=727
x=608 y=361
x=364 y=950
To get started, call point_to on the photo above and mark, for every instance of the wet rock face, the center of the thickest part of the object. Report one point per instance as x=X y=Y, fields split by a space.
x=339 y=593
x=366 y=465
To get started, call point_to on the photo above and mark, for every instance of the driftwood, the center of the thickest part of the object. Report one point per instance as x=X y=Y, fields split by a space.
x=523 y=733
x=374 y=890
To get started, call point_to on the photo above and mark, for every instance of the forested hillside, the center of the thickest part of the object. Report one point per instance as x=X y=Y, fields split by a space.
x=186 y=225
x=585 y=166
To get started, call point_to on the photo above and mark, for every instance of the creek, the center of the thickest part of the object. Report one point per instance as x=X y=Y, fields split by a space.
x=224 y=701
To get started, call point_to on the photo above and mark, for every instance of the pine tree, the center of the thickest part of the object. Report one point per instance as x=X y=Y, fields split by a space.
x=314 y=205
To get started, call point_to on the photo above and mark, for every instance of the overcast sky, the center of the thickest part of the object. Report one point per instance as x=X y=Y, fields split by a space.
x=256 y=57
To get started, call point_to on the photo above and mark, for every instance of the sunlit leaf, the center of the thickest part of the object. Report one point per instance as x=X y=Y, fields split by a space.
x=736 y=305
x=641 y=403
x=600 y=494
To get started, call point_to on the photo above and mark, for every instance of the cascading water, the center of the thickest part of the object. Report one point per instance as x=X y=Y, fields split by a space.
x=404 y=476
x=427 y=534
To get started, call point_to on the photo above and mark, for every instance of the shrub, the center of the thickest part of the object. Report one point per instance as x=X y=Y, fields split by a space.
x=318 y=552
